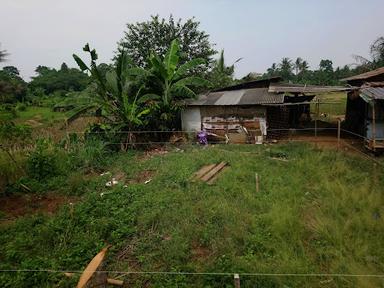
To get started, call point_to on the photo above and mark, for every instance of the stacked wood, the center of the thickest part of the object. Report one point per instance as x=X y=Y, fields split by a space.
x=209 y=173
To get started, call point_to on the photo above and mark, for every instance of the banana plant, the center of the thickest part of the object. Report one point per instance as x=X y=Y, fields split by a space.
x=113 y=97
x=172 y=78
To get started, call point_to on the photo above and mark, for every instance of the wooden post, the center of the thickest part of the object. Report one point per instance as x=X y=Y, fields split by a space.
x=236 y=278
x=257 y=182
x=317 y=115
x=338 y=133
x=374 y=125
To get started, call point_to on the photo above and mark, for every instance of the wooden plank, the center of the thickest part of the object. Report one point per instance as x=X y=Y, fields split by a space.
x=213 y=179
x=205 y=169
x=213 y=172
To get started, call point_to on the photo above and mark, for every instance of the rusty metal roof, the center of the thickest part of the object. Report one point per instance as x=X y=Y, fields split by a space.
x=366 y=75
x=298 y=88
x=373 y=93
x=254 y=96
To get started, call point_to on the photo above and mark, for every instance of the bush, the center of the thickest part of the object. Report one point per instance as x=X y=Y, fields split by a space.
x=21 y=107
x=43 y=162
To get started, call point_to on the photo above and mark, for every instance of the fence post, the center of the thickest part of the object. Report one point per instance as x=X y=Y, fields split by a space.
x=317 y=115
x=236 y=278
x=338 y=133
x=257 y=182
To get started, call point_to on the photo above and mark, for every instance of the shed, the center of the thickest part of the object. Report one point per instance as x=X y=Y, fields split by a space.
x=365 y=107
x=252 y=111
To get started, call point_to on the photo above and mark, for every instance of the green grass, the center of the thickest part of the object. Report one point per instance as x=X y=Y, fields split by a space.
x=334 y=106
x=318 y=212
x=43 y=115
x=40 y=114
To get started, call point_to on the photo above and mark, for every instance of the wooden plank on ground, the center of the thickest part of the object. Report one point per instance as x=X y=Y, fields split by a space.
x=213 y=179
x=214 y=171
x=205 y=169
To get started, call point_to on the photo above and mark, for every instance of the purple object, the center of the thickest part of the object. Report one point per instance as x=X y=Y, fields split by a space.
x=202 y=136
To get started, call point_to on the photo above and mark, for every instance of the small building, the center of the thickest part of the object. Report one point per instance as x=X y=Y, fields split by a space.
x=365 y=107
x=252 y=112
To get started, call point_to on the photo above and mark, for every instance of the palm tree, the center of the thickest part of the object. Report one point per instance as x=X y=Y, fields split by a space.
x=3 y=54
x=222 y=75
x=285 y=68
x=297 y=65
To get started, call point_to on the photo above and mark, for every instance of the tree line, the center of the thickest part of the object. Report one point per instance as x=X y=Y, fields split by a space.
x=298 y=71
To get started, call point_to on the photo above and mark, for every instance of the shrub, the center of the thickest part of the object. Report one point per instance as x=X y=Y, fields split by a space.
x=21 y=107
x=42 y=163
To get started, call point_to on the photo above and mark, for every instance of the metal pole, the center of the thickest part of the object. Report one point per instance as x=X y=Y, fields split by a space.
x=236 y=278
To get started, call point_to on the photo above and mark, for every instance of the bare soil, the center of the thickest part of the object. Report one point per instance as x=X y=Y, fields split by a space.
x=15 y=206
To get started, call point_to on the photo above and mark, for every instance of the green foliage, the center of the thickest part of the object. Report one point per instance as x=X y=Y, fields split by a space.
x=12 y=87
x=170 y=81
x=320 y=213
x=326 y=74
x=11 y=133
x=119 y=104
x=43 y=163
x=50 y=80
x=156 y=35
x=221 y=75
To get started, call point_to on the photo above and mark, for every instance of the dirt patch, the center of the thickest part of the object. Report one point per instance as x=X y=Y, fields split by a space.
x=142 y=177
x=19 y=205
x=200 y=253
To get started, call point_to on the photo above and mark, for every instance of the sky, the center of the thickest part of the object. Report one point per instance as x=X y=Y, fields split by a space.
x=48 y=32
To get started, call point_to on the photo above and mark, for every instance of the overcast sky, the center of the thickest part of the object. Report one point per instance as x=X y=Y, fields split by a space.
x=47 y=32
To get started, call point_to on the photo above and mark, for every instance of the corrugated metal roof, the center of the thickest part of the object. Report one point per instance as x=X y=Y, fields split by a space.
x=254 y=96
x=297 y=88
x=373 y=93
x=261 y=83
x=366 y=75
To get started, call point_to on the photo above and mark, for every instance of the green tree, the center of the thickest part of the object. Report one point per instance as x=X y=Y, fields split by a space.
x=221 y=75
x=156 y=35
x=286 y=68
x=12 y=87
x=377 y=52
x=62 y=81
x=170 y=82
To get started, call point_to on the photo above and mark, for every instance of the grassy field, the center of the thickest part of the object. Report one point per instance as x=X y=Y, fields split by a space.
x=38 y=116
x=316 y=212
x=334 y=106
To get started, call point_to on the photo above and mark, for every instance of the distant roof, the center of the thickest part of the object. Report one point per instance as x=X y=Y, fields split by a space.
x=370 y=93
x=252 y=84
x=253 y=96
x=298 y=88
x=366 y=75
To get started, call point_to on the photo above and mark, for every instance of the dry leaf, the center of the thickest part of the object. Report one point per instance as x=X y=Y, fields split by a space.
x=91 y=268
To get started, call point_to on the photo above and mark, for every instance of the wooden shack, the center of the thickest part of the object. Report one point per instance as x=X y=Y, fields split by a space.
x=252 y=112
x=365 y=107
